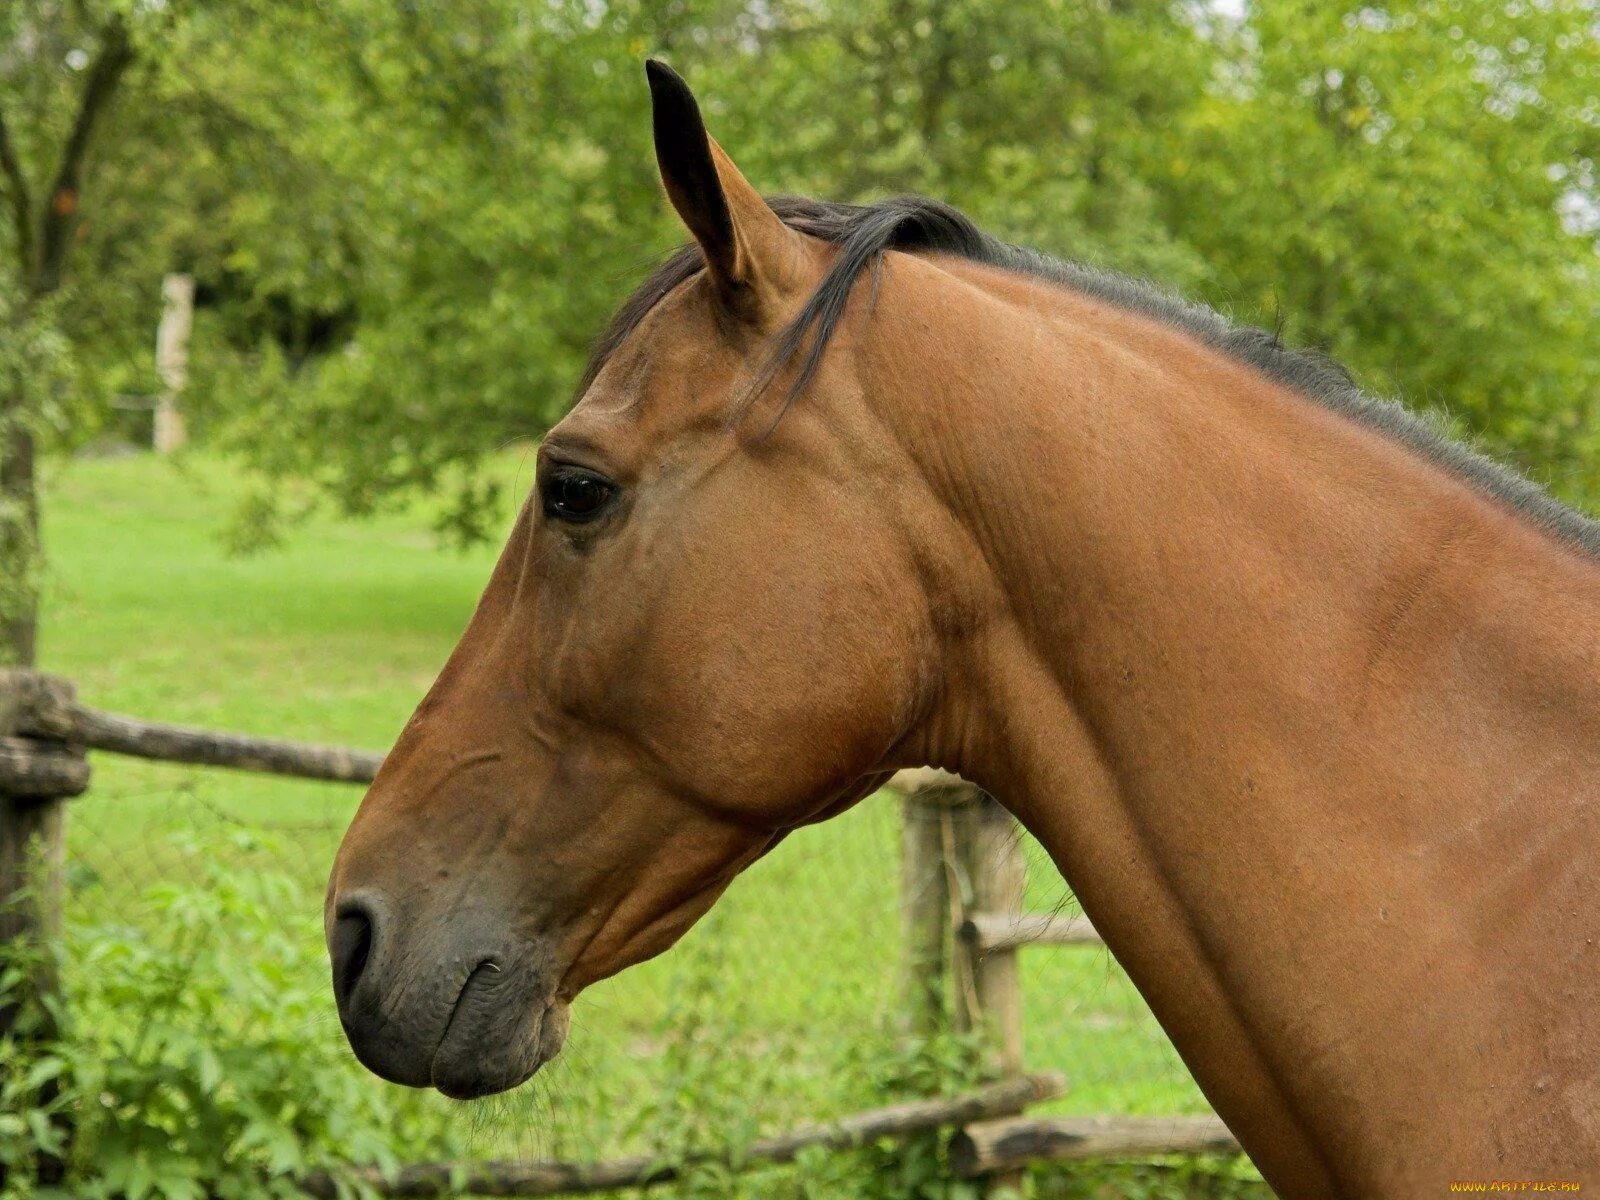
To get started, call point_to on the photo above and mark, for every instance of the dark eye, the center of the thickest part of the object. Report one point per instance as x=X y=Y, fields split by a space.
x=574 y=494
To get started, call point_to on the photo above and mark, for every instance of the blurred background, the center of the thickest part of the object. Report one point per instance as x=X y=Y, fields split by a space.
x=373 y=238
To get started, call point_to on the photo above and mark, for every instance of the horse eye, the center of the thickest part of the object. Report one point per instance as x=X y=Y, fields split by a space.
x=574 y=494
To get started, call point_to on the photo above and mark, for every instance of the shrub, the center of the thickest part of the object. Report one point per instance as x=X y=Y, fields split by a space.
x=197 y=1058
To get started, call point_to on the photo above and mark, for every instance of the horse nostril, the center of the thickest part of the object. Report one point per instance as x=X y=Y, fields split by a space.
x=350 y=947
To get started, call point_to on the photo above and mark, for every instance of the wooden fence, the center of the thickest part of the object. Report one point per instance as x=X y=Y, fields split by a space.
x=963 y=884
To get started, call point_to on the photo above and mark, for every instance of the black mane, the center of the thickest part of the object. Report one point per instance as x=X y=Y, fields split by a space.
x=863 y=232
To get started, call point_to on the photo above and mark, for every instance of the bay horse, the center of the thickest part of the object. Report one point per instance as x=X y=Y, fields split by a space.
x=1302 y=699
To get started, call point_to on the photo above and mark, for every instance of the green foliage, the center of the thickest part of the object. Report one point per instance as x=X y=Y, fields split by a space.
x=36 y=368
x=915 y=1168
x=407 y=223
x=33 y=1109
x=1171 y=1179
x=1411 y=187
x=182 y=1067
x=701 y=1122
x=36 y=399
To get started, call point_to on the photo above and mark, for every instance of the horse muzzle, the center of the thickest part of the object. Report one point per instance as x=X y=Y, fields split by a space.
x=460 y=1006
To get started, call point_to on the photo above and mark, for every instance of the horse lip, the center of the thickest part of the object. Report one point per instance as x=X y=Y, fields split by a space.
x=487 y=965
x=454 y=1068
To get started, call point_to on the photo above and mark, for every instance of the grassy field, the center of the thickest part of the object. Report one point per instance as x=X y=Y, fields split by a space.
x=333 y=637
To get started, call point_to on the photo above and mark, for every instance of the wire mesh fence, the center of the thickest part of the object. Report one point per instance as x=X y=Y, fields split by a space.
x=783 y=1006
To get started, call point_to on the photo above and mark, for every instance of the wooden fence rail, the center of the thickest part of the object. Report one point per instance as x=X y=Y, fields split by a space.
x=560 y=1178
x=963 y=880
x=46 y=709
x=38 y=770
x=989 y=932
x=986 y=1148
x=43 y=707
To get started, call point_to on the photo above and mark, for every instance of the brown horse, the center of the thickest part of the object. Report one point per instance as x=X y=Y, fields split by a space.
x=1303 y=700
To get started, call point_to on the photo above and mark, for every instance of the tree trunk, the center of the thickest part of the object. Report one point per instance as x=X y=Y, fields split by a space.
x=31 y=838
x=40 y=276
x=19 y=540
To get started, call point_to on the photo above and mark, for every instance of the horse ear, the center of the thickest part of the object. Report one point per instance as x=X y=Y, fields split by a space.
x=749 y=251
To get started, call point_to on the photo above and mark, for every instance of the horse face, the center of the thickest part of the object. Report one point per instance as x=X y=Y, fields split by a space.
x=701 y=634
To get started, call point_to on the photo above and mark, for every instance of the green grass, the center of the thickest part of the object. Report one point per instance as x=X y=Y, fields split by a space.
x=334 y=637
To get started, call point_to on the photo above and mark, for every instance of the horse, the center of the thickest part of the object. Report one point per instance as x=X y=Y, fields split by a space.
x=1302 y=698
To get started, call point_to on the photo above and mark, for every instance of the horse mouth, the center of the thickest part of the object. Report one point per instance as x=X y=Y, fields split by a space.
x=491 y=1042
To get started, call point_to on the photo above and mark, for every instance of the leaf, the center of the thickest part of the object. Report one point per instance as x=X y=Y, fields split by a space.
x=44 y=1068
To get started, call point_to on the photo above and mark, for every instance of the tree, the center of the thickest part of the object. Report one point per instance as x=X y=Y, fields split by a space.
x=1396 y=184
x=44 y=215
x=138 y=138
x=407 y=222
x=507 y=199
x=1386 y=182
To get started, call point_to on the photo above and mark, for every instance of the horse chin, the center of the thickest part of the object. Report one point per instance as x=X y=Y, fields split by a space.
x=490 y=1048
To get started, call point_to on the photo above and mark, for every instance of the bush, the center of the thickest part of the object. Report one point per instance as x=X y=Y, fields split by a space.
x=198 y=1057
x=194 y=1061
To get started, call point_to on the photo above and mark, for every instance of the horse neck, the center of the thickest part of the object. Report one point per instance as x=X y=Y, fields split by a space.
x=1298 y=714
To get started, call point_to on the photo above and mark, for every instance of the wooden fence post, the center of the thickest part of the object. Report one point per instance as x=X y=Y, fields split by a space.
x=927 y=914
x=172 y=361
x=961 y=855
x=989 y=992
x=924 y=914
x=36 y=777
x=996 y=875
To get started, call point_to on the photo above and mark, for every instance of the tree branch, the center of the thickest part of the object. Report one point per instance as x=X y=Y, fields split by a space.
x=21 y=198
x=61 y=210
